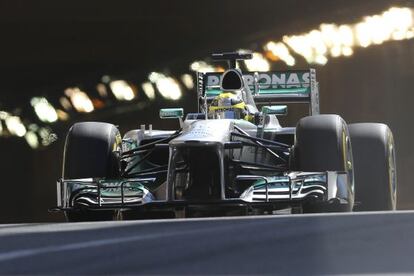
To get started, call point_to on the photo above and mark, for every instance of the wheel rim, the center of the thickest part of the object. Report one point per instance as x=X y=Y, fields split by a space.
x=392 y=173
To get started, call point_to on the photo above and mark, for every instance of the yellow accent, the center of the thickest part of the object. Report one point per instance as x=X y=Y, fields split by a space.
x=225 y=95
x=241 y=105
x=249 y=118
x=118 y=142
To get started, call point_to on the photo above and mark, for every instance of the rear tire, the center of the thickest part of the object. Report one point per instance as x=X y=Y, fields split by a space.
x=91 y=151
x=375 y=167
x=323 y=144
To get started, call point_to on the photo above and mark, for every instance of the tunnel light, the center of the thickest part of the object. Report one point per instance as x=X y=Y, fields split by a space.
x=4 y=115
x=347 y=51
x=65 y=103
x=167 y=86
x=32 y=139
x=346 y=36
x=62 y=115
x=149 y=90
x=280 y=51
x=202 y=66
x=122 y=90
x=15 y=126
x=80 y=100
x=321 y=59
x=47 y=137
x=106 y=79
x=155 y=76
x=44 y=110
x=188 y=81
x=101 y=88
x=335 y=41
x=362 y=34
x=257 y=63
x=219 y=68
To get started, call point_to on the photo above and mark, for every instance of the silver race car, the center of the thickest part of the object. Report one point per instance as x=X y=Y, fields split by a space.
x=231 y=158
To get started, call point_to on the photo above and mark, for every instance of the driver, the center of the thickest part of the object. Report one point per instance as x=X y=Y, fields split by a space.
x=228 y=105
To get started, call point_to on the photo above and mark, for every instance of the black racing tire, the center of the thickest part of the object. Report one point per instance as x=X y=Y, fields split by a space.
x=91 y=151
x=375 y=166
x=322 y=143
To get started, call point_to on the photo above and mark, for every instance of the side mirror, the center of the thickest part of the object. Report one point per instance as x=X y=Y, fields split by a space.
x=280 y=110
x=171 y=113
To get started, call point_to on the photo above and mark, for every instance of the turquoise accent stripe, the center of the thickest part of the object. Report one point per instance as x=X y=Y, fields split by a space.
x=284 y=91
x=271 y=91
x=213 y=93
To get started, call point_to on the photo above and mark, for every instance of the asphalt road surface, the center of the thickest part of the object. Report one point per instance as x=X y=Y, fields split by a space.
x=298 y=244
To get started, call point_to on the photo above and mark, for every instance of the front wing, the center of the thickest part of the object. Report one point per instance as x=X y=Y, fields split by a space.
x=275 y=192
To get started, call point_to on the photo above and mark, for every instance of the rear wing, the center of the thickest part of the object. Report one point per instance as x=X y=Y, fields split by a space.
x=278 y=87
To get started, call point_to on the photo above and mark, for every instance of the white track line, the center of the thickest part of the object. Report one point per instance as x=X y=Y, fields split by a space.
x=22 y=253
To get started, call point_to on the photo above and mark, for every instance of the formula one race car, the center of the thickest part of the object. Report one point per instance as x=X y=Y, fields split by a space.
x=230 y=158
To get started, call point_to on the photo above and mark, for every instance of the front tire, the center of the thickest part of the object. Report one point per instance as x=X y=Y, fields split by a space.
x=91 y=151
x=323 y=144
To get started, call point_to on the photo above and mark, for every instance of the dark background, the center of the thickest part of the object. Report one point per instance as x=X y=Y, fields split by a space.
x=49 y=45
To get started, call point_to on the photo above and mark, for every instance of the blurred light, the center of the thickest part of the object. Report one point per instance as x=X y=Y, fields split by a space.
x=322 y=60
x=33 y=127
x=347 y=51
x=271 y=56
x=202 y=66
x=257 y=63
x=346 y=36
x=148 y=90
x=101 y=88
x=333 y=40
x=65 y=103
x=188 y=81
x=62 y=115
x=97 y=103
x=44 y=110
x=80 y=101
x=362 y=34
x=393 y=24
x=219 y=68
x=300 y=45
x=167 y=86
x=280 y=51
x=15 y=126
x=409 y=34
x=122 y=90
x=32 y=139
x=47 y=137
x=105 y=79
x=155 y=76
x=4 y=115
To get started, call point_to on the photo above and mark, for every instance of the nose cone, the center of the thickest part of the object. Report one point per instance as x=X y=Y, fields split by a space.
x=205 y=132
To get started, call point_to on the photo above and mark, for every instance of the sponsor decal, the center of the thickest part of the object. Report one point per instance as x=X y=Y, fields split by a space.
x=268 y=80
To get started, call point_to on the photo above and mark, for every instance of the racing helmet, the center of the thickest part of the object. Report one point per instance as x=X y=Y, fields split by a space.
x=227 y=106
